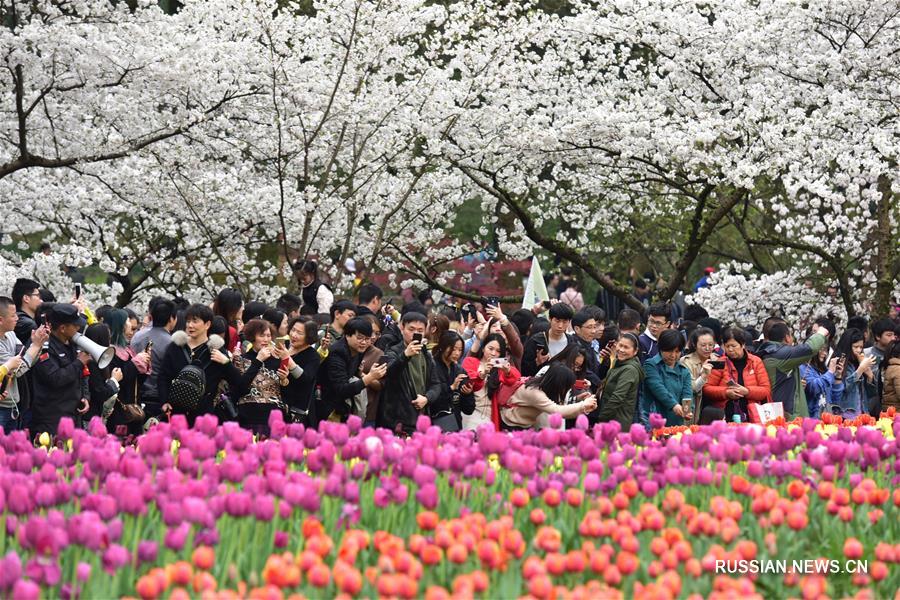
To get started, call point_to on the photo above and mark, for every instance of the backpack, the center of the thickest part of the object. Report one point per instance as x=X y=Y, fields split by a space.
x=187 y=388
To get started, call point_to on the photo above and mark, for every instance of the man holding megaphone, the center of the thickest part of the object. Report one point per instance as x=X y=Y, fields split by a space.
x=58 y=372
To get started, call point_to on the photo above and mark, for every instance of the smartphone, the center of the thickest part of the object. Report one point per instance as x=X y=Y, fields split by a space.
x=581 y=384
x=546 y=304
x=686 y=405
x=499 y=362
x=77 y=291
x=417 y=338
x=611 y=345
x=718 y=365
x=540 y=341
x=491 y=301
x=382 y=360
x=463 y=381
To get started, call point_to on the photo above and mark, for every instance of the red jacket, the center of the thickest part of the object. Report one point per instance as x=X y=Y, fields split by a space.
x=755 y=379
x=471 y=364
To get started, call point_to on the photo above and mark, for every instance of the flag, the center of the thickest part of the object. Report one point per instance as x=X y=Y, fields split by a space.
x=535 y=288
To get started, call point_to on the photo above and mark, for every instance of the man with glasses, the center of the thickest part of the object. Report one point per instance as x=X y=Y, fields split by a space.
x=340 y=378
x=585 y=326
x=657 y=322
x=15 y=363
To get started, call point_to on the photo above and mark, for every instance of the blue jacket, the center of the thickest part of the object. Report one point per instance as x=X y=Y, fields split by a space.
x=664 y=388
x=852 y=399
x=817 y=386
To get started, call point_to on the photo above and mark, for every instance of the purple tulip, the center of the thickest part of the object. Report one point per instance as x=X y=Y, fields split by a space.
x=176 y=538
x=115 y=557
x=147 y=551
x=10 y=570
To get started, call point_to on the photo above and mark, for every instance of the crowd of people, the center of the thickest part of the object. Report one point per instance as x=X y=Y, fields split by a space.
x=314 y=357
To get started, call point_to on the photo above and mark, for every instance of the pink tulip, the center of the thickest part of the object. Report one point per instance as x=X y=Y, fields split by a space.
x=83 y=571
x=26 y=590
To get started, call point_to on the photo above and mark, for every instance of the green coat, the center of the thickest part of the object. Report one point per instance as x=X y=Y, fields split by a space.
x=620 y=393
x=783 y=368
x=665 y=387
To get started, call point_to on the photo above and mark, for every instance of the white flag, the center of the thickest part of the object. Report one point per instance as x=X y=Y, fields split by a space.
x=535 y=288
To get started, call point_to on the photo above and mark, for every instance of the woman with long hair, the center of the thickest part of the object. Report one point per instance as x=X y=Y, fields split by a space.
x=857 y=371
x=135 y=366
x=456 y=398
x=229 y=304
x=699 y=362
x=278 y=319
x=545 y=394
x=488 y=367
x=821 y=382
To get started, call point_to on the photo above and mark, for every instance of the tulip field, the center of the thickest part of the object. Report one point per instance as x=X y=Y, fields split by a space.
x=347 y=511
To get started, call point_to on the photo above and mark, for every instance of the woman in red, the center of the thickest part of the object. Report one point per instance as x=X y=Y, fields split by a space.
x=743 y=380
x=488 y=368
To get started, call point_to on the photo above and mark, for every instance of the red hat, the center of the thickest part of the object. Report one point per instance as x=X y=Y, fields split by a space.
x=709 y=270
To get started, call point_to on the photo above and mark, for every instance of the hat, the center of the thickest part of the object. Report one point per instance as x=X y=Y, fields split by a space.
x=709 y=270
x=350 y=265
x=64 y=314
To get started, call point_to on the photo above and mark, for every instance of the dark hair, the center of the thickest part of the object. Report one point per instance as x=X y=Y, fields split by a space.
x=162 y=312
x=5 y=303
x=569 y=354
x=131 y=314
x=845 y=344
x=257 y=327
x=640 y=284
x=228 y=303
x=597 y=313
x=670 y=339
x=880 y=326
x=892 y=352
x=778 y=332
x=369 y=292
x=46 y=295
x=710 y=414
x=659 y=309
x=494 y=337
x=425 y=295
x=115 y=319
x=737 y=334
x=99 y=334
x=555 y=382
x=199 y=311
x=310 y=329
x=275 y=317
x=341 y=306
x=21 y=288
x=219 y=326
x=102 y=311
x=561 y=311
x=523 y=319
x=451 y=313
x=629 y=319
x=610 y=334
x=631 y=338
x=253 y=310
x=858 y=322
x=358 y=325
x=768 y=323
x=439 y=325
x=180 y=303
x=306 y=266
x=581 y=317
x=446 y=343
x=413 y=317
x=414 y=306
x=714 y=324
x=696 y=335
x=288 y=303
x=827 y=324
x=694 y=312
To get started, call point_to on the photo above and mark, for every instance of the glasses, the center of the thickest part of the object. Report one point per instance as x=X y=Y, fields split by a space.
x=656 y=323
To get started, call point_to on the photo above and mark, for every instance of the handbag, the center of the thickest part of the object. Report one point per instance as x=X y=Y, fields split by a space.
x=188 y=387
x=446 y=421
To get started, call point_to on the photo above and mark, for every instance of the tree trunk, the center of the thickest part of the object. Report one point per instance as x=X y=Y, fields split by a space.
x=885 y=249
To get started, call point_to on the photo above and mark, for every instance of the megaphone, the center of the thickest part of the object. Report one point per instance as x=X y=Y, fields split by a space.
x=102 y=355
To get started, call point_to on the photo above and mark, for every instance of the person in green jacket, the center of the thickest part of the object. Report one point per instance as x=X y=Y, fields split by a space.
x=667 y=383
x=622 y=383
x=783 y=359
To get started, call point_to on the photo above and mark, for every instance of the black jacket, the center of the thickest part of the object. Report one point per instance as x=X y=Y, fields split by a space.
x=445 y=401
x=299 y=392
x=24 y=328
x=395 y=409
x=529 y=356
x=175 y=359
x=390 y=336
x=56 y=391
x=337 y=389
